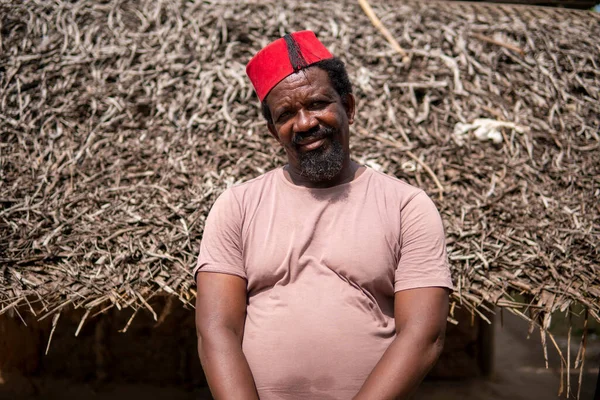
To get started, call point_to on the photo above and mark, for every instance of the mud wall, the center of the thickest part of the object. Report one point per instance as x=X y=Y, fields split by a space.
x=161 y=352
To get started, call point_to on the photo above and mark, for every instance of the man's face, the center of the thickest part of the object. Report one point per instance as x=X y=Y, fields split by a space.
x=311 y=122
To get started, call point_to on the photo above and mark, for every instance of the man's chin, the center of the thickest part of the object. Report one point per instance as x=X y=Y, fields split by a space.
x=323 y=163
x=327 y=176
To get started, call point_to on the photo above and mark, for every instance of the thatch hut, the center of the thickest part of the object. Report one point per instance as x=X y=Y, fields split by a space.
x=120 y=123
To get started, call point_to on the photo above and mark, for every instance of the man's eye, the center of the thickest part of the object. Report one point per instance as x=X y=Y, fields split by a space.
x=318 y=104
x=283 y=116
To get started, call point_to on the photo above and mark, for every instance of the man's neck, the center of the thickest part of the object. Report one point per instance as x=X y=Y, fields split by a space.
x=350 y=171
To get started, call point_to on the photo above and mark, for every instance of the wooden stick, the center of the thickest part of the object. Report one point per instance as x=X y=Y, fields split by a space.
x=569 y=360
x=384 y=31
x=582 y=346
x=511 y=47
x=54 y=322
x=421 y=85
x=430 y=172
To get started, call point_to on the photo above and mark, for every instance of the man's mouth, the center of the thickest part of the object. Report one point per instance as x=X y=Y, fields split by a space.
x=311 y=143
x=313 y=140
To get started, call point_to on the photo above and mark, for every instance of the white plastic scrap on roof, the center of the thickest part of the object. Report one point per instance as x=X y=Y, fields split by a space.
x=484 y=129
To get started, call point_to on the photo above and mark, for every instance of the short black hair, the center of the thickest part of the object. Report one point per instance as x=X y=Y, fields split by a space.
x=338 y=77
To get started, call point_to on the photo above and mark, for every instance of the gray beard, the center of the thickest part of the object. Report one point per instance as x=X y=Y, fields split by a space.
x=322 y=164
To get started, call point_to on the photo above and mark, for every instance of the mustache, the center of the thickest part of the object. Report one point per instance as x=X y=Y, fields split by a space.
x=317 y=133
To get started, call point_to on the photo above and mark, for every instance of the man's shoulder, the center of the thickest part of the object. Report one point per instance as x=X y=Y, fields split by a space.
x=390 y=185
x=241 y=191
x=258 y=182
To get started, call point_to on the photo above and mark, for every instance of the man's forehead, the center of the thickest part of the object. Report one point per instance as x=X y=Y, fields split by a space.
x=309 y=77
x=307 y=82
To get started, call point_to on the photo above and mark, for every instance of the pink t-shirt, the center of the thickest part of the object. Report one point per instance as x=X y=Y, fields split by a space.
x=322 y=267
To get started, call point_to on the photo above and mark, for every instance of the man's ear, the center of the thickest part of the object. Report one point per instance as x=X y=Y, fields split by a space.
x=273 y=131
x=350 y=106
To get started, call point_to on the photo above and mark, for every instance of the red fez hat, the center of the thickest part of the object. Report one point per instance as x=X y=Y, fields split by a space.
x=282 y=58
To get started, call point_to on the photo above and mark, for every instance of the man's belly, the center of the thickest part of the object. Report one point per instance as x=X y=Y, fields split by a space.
x=314 y=339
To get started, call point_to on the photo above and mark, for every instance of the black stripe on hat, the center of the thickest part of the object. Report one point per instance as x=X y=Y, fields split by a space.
x=296 y=58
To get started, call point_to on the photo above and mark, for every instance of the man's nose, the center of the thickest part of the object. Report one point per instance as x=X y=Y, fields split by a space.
x=305 y=121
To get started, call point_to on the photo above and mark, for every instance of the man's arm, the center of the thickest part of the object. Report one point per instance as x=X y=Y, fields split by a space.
x=220 y=316
x=420 y=327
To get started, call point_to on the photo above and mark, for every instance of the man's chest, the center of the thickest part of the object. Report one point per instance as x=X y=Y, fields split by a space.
x=359 y=244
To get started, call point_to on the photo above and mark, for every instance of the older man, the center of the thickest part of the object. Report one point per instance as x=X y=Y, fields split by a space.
x=322 y=279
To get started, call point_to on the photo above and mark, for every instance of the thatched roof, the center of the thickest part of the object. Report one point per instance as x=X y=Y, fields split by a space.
x=121 y=122
x=582 y=4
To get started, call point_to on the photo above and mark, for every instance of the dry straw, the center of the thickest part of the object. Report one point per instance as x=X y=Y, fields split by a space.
x=121 y=121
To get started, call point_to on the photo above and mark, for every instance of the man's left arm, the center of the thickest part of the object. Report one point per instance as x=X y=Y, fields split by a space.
x=420 y=327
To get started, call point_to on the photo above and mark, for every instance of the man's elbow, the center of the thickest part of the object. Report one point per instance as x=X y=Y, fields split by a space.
x=430 y=342
x=209 y=336
x=209 y=343
x=438 y=345
x=203 y=337
x=216 y=337
x=433 y=348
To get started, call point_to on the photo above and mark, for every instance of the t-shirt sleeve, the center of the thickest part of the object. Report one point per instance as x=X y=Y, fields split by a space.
x=423 y=261
x=221 y=246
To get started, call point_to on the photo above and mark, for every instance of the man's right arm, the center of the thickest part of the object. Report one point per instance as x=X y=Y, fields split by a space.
x=220 y=316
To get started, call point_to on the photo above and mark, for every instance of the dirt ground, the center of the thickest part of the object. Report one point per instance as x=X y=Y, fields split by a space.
x=519 y=374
